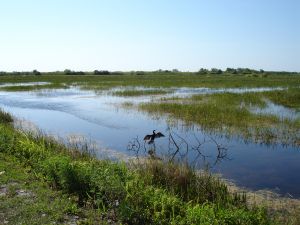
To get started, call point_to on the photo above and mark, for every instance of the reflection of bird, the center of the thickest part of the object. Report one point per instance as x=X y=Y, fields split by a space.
x=150 y=137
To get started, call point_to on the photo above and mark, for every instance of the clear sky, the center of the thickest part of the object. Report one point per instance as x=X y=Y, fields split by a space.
x=50 y=35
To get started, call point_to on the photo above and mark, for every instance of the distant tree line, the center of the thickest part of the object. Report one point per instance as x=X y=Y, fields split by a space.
x=202 y=71
x=101 y=72
x=22 y=73
x=230 y=70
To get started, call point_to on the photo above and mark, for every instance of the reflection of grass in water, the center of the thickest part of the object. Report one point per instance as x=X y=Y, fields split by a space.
x=163 y=80
x=139 y=92
x=228 y=112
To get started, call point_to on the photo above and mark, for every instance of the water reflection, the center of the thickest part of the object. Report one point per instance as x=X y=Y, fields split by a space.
x=67 y=112
x=276 y=110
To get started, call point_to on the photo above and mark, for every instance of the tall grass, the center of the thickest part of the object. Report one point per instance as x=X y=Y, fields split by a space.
x=5 y=117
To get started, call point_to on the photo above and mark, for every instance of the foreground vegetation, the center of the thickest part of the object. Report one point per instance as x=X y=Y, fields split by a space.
x=100 y=191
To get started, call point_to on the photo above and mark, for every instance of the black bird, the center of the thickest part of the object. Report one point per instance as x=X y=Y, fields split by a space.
x=150 y=137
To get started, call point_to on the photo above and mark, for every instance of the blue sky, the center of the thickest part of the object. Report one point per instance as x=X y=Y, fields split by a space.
x=129 y=35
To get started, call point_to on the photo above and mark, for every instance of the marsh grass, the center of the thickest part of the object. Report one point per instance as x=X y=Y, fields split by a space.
x=229 y=113
x=146 y=194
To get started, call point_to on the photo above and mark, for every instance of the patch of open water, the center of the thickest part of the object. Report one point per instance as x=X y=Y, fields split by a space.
x=65 y=112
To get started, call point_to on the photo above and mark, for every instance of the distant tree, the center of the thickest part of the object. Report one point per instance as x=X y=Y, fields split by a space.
x=203 y=71
x=175 y=71
x=261 y=71
x=216 y=71
x=70 y=72
x=245 y=70
x=2 y=73
x=231 y=70
x=36 y=73
x=67 y=71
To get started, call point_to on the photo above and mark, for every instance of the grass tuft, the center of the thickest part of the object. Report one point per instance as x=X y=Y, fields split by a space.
x=5 y=117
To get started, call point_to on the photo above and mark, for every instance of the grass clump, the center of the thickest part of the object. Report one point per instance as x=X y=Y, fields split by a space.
x=5 y=117
x=190 y=185
x=147 y=193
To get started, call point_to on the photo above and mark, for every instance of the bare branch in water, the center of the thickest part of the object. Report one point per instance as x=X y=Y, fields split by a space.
x=134 y=146
x=179 y=148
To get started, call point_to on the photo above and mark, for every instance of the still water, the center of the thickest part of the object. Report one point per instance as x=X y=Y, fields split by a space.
x=100 y=118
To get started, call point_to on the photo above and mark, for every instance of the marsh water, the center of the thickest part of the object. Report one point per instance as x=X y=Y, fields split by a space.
x=101 y=118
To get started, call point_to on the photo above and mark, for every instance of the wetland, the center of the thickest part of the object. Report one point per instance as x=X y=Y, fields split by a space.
x=245 y=128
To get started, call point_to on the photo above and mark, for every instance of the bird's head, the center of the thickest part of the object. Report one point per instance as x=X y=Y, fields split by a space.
x=153 y=131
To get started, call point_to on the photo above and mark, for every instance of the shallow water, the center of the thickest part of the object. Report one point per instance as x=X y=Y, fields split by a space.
x=277 y=110
x=100 y=118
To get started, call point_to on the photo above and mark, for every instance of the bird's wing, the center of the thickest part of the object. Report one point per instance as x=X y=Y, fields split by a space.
x=158 y=135
x=147 y=137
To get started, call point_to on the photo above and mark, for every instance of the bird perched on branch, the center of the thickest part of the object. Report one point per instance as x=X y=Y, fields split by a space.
x=150 y=137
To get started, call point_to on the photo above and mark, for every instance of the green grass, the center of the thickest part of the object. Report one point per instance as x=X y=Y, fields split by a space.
x=28 y=200
x=229 y=113
x=164 y=80
x=131 y=93
x=146 y=193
